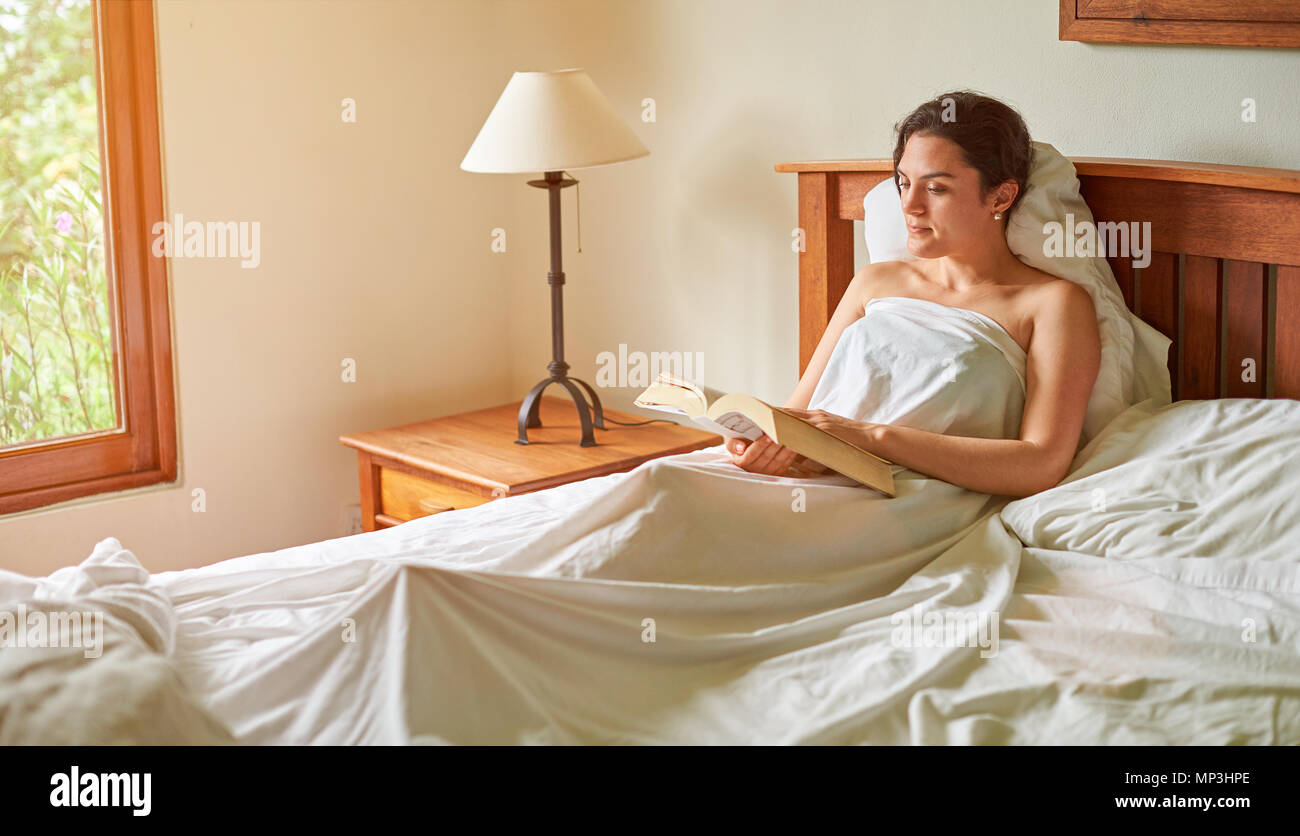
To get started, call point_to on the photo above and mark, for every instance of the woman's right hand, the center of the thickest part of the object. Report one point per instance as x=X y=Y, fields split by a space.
x=762 y=455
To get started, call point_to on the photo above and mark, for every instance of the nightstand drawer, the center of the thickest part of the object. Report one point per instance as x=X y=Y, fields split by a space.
x=407 y=497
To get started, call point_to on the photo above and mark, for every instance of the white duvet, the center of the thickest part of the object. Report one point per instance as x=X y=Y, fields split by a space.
x=84 y=659
x=1149 y=598
x=1158 y=594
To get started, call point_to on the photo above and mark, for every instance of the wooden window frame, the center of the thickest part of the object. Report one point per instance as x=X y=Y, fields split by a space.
x=142 y=450
x=1243 y=23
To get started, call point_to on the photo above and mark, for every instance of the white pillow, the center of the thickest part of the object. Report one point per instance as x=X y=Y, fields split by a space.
x=1209 y=479
x=884 y=227
x=1133 y=354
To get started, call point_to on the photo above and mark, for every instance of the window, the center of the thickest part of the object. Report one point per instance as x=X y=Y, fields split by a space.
x=85 y=346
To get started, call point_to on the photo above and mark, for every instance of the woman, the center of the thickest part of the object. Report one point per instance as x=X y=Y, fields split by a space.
x=961 y=164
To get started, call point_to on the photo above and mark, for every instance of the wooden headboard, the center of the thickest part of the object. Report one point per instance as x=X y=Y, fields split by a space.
x=1223 y=283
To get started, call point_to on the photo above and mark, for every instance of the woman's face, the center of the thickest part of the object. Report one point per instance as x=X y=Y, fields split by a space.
x=941 y=199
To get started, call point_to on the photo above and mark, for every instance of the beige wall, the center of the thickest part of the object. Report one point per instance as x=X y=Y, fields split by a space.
x=375 y=245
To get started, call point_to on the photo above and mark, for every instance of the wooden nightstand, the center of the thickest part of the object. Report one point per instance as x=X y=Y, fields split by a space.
x=465 y=460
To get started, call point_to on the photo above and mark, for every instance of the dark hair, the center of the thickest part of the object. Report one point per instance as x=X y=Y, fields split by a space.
x=992 y=137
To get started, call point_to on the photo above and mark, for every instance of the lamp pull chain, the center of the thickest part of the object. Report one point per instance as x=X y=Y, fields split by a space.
x=579 y=197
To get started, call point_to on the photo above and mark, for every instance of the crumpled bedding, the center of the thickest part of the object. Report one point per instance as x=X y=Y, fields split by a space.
x=1167 y=634
x=91 y=664
x=432 y=632
x=1158 y=596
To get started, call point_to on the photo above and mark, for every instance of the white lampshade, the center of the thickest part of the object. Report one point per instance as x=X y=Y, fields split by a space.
x=551 y=121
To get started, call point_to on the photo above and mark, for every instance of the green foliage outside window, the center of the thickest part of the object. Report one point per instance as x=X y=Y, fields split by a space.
x=57 y=373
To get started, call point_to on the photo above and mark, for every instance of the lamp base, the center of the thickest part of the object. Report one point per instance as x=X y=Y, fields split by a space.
x=528 y=410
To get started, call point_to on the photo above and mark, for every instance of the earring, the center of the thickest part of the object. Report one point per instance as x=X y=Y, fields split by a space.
x=997 y=216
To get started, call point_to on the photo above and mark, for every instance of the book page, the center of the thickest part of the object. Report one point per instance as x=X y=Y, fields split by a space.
x=665 y=395
x=707 y=393
x=710 y=394
x=737 y=425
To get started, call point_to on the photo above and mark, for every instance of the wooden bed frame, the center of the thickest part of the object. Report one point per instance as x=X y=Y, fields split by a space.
x=1223 y=282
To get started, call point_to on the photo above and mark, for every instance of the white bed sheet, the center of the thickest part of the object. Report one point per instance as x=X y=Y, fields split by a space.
x=492 y=625
x=1181 y=626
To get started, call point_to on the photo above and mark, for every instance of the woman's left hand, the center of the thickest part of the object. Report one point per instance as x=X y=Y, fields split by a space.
x=856 y=433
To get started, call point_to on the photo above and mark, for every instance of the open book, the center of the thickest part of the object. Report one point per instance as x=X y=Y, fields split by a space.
x=744 y=416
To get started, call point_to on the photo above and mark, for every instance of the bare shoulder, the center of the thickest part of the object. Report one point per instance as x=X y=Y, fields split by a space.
x=880 y=279
x=1062 y=297
x=1064 y=309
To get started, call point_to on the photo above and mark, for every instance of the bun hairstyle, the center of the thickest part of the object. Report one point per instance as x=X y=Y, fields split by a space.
x=992 y=136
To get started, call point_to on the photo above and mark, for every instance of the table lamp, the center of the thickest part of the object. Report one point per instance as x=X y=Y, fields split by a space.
x=551 y=122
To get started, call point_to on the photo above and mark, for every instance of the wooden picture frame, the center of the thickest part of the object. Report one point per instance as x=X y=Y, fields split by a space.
x=1267 y=23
